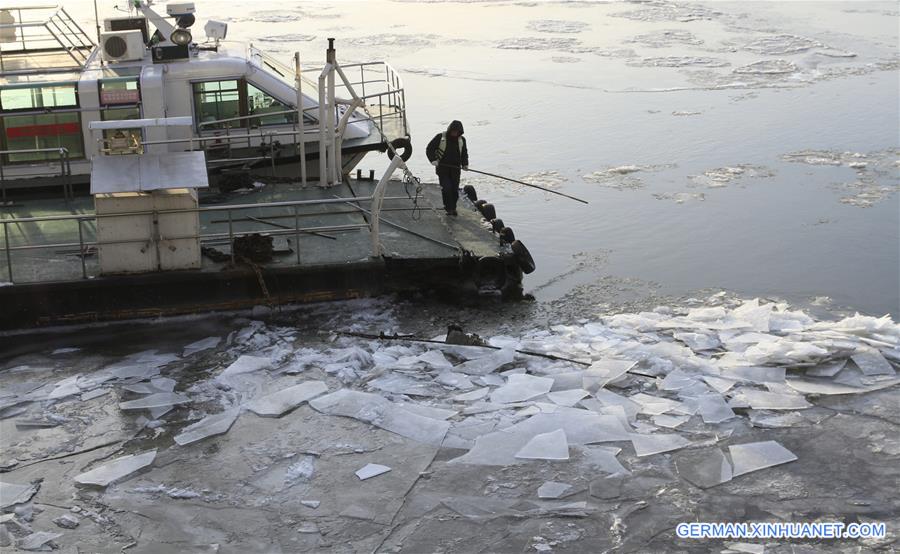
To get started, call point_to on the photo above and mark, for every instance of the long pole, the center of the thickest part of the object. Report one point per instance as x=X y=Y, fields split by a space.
x=300 y=123
x=412 y=338
x=97 y=21
x=519 y=182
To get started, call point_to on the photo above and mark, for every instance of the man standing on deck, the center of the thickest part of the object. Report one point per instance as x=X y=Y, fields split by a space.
x=447 y=152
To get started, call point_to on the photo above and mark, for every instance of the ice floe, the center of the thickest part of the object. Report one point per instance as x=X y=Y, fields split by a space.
x=116 y=470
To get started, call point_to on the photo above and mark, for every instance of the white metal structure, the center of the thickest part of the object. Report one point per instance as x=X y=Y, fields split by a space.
x=244 y=107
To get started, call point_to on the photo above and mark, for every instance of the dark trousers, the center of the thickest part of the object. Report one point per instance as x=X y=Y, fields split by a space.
x=449 y=188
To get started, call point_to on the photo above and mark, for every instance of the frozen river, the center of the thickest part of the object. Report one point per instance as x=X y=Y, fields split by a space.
x=741 y=163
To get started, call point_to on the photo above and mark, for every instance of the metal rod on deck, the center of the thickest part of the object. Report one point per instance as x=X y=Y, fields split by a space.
x=300 y=122
x=297 y=235
x=8 y=252
x=81 y=251
x=231 y=236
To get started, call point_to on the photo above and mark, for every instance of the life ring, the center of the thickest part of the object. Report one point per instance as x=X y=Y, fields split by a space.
x=469 y=191
x=497 y=225
x=488 y=211
x=507 y=235
x=523 y=257
x=401 y=143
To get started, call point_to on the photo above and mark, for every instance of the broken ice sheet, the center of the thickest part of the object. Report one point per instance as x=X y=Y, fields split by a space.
x=37 y=541
x=454 y=380
x=11 y=493
x=158 y=400
x=656 y=405
x=756 y=374
x=758 y=455
x=871 y=362
x=669 y=421
x=427 y=411
x=776 y=420
x=676 y=380
x=378 y=411
x=580 y=426
x=765 y=400
x=371 y=470
x=552 y=489
x=829 y=369
x=521 y=387
x=698 y=342
x=567 y=397
x=704 y=468
x=647 y=445
x=277 y=403
x=487 y=364
x=609 y=398
x=116 y=470
x=546 y=446
x=719 y=384
x=603 y=458
x=711 y=407
x=435 y=359
x=200 y=345
x=208 y=426
x=603 y=372
x=476 y=394
x=245 y=364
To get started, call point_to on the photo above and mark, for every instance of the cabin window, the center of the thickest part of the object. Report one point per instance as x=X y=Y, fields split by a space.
x=51 y=130
x=38 y=97
x=217 y=100
x=53 y=122
x=259 y=103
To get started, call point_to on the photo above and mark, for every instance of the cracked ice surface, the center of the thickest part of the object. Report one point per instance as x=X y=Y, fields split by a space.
x=665 y=401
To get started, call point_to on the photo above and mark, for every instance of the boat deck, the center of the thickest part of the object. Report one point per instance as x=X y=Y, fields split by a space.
x=422 y=248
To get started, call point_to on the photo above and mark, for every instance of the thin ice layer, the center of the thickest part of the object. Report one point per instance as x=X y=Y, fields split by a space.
x=552 y=489
x=487 y=364
x=581 y=427
x=704 y=468
x=603 y=372
x=647 y=445
x=765 y=400
x=158 y=400
x=12 y=493
x=521 y=387
x=758 y=455
x=567 y=397
x=373 y=409
x=245 y=364
x=208 y=426
x=116 y=470
x=277 y=403
x=371 y=470
x=546 y=446
x=871 y=362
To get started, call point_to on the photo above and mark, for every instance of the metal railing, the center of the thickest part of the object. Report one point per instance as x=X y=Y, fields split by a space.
x=40 y=29
x=227 y=216
x=65 y=169
x=377 y=81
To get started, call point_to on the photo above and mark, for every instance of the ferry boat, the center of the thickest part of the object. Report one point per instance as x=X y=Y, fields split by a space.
x=55 y=82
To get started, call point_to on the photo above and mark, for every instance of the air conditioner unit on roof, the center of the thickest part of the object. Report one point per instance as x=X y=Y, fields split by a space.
x=122 y=46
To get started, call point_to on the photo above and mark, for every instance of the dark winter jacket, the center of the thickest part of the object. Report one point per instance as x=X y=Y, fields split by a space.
x=452 y=158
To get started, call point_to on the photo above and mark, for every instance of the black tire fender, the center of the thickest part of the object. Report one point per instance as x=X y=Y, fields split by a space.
x=488 y=211
x=507 y=235
x=403 y=146
x=523 y=257
x=497 y=225
x=469 y=191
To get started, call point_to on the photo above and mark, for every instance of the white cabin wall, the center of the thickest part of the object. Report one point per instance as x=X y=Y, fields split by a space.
x=89 y=102
x=153 y=102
